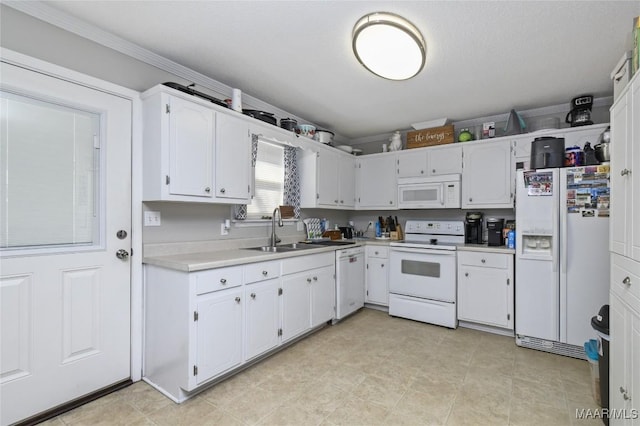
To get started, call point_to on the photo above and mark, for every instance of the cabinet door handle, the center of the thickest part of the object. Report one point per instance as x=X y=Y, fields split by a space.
x=223 y=281
x=265 y=273
x=470 y=199
x=237 y=299
x=207 y=190
x=622 y=390
x=626 y=281
x=253 y=295
x=315 y=278
x=466 y=274
x=308 y=280
x=341 y=201
x=483 y=261
x=223 y=190
x=382 y=265
x=625 y=172
x=335 y=201
x=421 y=172
x=390 y=202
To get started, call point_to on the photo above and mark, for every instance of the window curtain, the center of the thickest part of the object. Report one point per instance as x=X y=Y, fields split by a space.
x=291 y=180
x=240 y=210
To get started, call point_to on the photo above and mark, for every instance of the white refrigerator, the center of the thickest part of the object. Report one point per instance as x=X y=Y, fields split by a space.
x=562 y=260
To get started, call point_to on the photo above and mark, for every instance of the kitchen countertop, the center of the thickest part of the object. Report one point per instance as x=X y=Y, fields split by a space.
x=486 y=249
x=210 y=259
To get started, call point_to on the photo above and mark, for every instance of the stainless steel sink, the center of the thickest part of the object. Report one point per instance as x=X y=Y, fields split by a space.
x=282 y=248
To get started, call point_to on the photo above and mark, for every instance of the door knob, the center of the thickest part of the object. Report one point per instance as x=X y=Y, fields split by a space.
x=626 y=281
x=253 y=295
x=223 y=190
x=122 y=254
x=207 y=190
x=624 y=172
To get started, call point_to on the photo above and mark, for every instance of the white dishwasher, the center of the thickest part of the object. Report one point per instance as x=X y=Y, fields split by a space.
x=349 y=281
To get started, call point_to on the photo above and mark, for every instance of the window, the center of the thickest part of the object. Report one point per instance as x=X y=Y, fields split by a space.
x=269 y=180
x=49 y=183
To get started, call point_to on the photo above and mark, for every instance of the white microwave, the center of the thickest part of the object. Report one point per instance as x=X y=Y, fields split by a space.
x=434 y=192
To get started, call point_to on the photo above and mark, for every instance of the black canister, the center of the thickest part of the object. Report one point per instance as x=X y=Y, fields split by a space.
x=494 y=232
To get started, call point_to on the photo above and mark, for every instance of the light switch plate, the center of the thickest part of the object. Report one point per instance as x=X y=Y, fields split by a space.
x=151 y=218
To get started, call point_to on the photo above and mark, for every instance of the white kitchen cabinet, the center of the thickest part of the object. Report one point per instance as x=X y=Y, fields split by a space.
x=376 y=183
x=193 y=151
x=323 y=295
x=347 y=181
x=327 y=178
x=624 y=368
x=625 y=176
x=262 y=317
x=232 y=159
x=485 y=288
x=487 y=180
x=218 y=334
x=377 y=275
x=432 y=161
x=296 y=305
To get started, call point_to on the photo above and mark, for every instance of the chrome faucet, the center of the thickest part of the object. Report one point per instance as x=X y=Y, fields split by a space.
x=274 y=238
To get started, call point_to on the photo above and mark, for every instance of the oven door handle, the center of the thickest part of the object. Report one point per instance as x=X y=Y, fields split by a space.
x=423 y=251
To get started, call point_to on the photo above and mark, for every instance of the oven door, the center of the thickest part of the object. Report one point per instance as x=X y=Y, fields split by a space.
x=425 y=273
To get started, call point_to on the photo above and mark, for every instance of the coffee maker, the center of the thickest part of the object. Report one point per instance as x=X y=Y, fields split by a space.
x=495 y=229
x=580 y=114
x=473 y=228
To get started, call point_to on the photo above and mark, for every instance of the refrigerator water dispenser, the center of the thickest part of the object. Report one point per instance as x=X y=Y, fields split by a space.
x=537 y=244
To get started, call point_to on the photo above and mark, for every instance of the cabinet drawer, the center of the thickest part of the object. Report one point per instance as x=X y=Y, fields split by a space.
x=217 y=279
x=377 y=251
x=625 y=280
x=488 y=260
x=255 y=272
x=304 y=263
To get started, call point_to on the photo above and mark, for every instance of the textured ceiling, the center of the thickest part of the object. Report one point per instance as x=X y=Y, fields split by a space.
x=483 y=58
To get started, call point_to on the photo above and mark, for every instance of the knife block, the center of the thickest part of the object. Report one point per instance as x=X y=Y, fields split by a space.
x=397 y=234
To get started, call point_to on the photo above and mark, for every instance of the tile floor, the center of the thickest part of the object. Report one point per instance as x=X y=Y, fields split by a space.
x=372 y=369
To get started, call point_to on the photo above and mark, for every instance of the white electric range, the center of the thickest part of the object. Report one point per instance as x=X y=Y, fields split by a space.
x=422 y=277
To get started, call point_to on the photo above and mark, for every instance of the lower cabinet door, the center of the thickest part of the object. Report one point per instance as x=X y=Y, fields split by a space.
x=296 y=306
x=484 y=296
x=378 y=281
x=323 y=295
x=262 y=317
x=218 y=333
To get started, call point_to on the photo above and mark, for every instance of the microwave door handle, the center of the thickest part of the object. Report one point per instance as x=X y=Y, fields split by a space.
x=442 y=194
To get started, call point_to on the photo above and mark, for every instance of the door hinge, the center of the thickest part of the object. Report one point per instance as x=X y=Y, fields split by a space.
x=367 y=266
x=317 y=196
x=508 y=317
x=508 y=280
x=167 y=109
x=195 y=315
x=167 y=180
x=195 y=370
x=279 y=292
x=249 y=189
x=367 y=292
x=279 y=332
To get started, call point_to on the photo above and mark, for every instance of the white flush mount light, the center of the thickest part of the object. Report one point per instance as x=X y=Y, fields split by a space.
x=389 y=46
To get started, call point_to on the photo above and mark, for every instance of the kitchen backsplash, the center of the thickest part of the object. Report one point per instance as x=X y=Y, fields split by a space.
x=189 y=222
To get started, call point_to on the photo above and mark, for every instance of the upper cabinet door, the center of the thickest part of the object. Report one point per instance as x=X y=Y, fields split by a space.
x=327 y=178
x=190 y=148
x=232 y=158
x=347 y=183
x=486 y=175
x=413 y=163
x=376 y=182
x=445 y=161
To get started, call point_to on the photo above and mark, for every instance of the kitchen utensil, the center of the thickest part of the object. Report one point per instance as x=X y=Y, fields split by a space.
x=267 y=117
x=288 y=124
x=323 y=136
x=580 y=114
x=602 y=152
x=193 y=92
x=306 y=130
x=547 y=152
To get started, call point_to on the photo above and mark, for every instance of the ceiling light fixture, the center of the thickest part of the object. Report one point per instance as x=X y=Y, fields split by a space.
x=389 y=46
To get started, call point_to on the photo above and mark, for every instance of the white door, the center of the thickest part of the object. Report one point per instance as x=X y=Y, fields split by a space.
x=429 y=274
x=376 y=182
x=327 y=178
x=66 y=212
x=412 y=164
x=486 y=175
x=296 y=306
x=323 y=295
x=347 y=184
x=262 y=317
x=445 y=160
x=621 y=196
x=377 y=281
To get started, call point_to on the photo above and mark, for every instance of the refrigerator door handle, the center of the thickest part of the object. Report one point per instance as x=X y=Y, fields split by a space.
x=563 y=221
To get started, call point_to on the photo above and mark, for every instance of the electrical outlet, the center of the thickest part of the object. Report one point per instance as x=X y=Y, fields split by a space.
x=152 y=218
x=370 y=223
x=223 y=229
